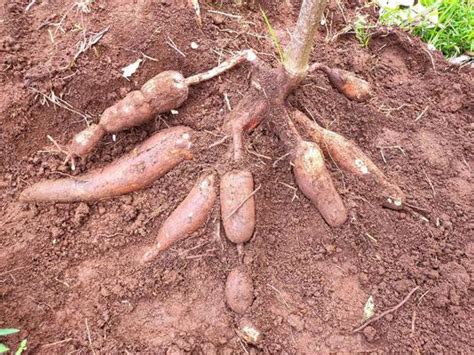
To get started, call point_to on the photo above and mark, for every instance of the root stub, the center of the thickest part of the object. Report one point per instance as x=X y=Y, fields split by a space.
x=139 y=169
x=238 y=205
x=239 y=292
x=314 y=181
x=188 y=217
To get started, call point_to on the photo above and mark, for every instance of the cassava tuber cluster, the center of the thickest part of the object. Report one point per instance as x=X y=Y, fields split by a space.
x=306 y=141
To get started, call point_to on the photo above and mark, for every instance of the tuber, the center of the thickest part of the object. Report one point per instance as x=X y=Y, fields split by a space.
x=137 y=170
x=350 y=158
x=238 y=205
x=161 y=93
x=314 y=181
x=346 y=82
x=239 y=293
x=166 y=91
x=188 y=217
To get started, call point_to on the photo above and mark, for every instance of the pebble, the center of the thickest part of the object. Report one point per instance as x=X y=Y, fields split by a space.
x=296 y=322
x=370 y=333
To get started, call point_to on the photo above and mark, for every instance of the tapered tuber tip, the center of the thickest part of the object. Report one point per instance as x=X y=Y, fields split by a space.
x=35 y=193
x=151 y=254
x=85 y=141
x=25 y=195
x=393 y=197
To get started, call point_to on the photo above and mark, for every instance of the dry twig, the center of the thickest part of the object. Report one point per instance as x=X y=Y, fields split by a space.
x=388 y=311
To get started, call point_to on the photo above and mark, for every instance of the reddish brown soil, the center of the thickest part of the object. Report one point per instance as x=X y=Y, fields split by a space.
x=68 y=279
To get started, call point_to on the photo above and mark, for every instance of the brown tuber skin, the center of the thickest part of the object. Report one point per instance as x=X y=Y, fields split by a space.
x=239 y=292
x=350 y=158
x=346 y=83
x=188 y=217
x=314 y=181
x=165 y=91
x=237 y=205
x=266 y=99
x=135 y=171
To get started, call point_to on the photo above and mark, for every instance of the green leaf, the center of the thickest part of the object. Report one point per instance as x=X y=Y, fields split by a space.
x=3 y=348
x=22 y=347
x=369 y=308
x=8 y=331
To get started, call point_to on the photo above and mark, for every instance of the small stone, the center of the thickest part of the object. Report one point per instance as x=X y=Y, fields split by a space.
x=217 y=18
x=249 y=332
x=209 y=349
x=296 y=322
x=174 y=350
x=56 y=232
x=194 y=45
x=330 y=249
x=370 y=333
x=363 y=277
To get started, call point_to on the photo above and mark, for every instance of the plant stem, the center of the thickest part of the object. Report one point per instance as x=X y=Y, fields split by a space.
x=302 y=41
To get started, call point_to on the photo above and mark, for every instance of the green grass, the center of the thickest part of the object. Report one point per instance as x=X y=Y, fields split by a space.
x=453 y=34
x=273 y=36
x=362 y=30
x=9 y=331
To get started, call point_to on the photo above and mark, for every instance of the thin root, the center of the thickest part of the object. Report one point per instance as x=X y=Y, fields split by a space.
x=388 y=311
x=243 y=202
x=69 y=156
x=244 y=56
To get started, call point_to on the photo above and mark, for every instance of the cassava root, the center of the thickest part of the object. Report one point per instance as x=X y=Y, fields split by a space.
x=265 y=100
x=238 y=205
x=239 y=292
x=137 y=170
x=164 y=92
x=188 y=217
x=350 y=158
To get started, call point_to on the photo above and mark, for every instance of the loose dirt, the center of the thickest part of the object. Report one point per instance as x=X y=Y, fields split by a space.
x=68 y=277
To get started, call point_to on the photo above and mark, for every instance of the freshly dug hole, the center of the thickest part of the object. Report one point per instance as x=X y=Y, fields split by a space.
x=137 y=170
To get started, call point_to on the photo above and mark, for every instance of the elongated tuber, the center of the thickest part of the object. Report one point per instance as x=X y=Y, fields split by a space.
x=137 y=170
x=350 y=158
x=314 y=181
x=239 y=292
x=161 y=93
x=188 y=217
x=238 y=205
x=346 y=83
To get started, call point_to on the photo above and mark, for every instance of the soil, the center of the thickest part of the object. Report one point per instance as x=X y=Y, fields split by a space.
x=68 y=278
